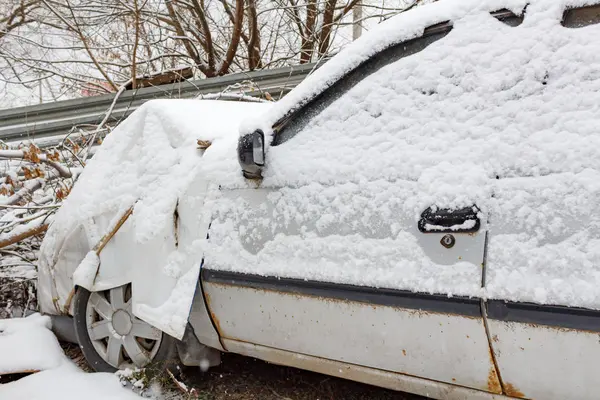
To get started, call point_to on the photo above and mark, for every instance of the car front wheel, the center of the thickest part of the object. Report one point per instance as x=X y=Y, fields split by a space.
x=112 y=338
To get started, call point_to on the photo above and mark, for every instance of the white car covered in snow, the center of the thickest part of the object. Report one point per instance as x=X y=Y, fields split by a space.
x=421 y=213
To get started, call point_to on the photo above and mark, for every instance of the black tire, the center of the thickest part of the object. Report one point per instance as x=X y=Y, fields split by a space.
x=166 y=357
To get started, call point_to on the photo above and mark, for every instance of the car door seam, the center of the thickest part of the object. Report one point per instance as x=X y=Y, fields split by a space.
x=483 y=305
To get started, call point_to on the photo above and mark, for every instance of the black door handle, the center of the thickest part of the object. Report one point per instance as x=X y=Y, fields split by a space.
x=444 y=220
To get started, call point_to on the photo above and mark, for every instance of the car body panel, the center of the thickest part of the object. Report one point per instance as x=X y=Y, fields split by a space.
x=546 y=362
x=390 y=338
x=389 y=380
x=545 y=331
x=312 y=218
x=544 y=244
x=277 y=234
x=342 y=233
x=202 y=322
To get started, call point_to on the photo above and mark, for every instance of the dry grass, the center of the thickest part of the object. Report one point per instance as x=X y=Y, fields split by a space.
x=74 y=353
x=243 y=378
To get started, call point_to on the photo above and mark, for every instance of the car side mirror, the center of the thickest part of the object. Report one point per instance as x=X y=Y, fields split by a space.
x=251 y=154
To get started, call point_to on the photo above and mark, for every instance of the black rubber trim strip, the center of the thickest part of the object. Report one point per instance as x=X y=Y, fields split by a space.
x=464 y=306
x=547 y=315
x=552 y=316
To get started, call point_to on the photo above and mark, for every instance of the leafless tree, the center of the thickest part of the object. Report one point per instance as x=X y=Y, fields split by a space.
x=66 y=48
x=14 y=14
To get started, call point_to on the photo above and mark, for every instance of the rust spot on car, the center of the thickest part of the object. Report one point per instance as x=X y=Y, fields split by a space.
x=561 y=329
x=216 y=322
x=213 y=317
x=493 y=383
x=512 y=391
x=403 y=352
x=495 y=338
x=453 y=379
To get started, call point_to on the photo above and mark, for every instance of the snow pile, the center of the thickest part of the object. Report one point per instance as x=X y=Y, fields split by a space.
x=67 y=382
x=505 y=118
x=149 y=161
x=28 y=345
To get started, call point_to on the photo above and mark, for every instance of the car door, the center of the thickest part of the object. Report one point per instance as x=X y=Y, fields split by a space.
x=542 y=276
x=543 y=264
x=344 y=252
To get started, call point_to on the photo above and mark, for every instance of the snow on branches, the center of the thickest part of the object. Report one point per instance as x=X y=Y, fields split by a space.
x=33 y=183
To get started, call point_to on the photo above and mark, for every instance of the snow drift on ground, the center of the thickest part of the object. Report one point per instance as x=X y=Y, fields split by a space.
x=27 y=344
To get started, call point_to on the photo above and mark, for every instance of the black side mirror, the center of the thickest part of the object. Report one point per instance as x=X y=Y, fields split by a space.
x=251 y=154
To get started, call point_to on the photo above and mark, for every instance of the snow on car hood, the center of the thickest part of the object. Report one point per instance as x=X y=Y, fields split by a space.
x=151 y=162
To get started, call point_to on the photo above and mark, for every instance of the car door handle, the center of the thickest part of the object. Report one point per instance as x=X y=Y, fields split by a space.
x=443 y=220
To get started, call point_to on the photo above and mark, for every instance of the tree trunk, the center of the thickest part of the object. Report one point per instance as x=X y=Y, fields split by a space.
x=357 y=15
x=308 y=37
x=254 y=61
x=235 y=37
x=327 y=26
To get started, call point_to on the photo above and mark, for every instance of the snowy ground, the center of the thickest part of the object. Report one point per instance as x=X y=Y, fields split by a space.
x=27 y=345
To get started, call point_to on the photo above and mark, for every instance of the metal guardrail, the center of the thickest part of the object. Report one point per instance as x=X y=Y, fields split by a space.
x=58 y=118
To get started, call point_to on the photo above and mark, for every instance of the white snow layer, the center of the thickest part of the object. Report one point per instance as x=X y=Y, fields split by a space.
x=507 y=118
x=27 y=345
x=149 y=160
x=502 y=117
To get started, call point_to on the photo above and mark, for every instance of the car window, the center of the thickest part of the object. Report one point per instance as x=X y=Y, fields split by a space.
x=508 y=17
x=581 y=17
x=506 y=101
x=299 y=120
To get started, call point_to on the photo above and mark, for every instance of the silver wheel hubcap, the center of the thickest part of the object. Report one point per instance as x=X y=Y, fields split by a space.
x=120 y=338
